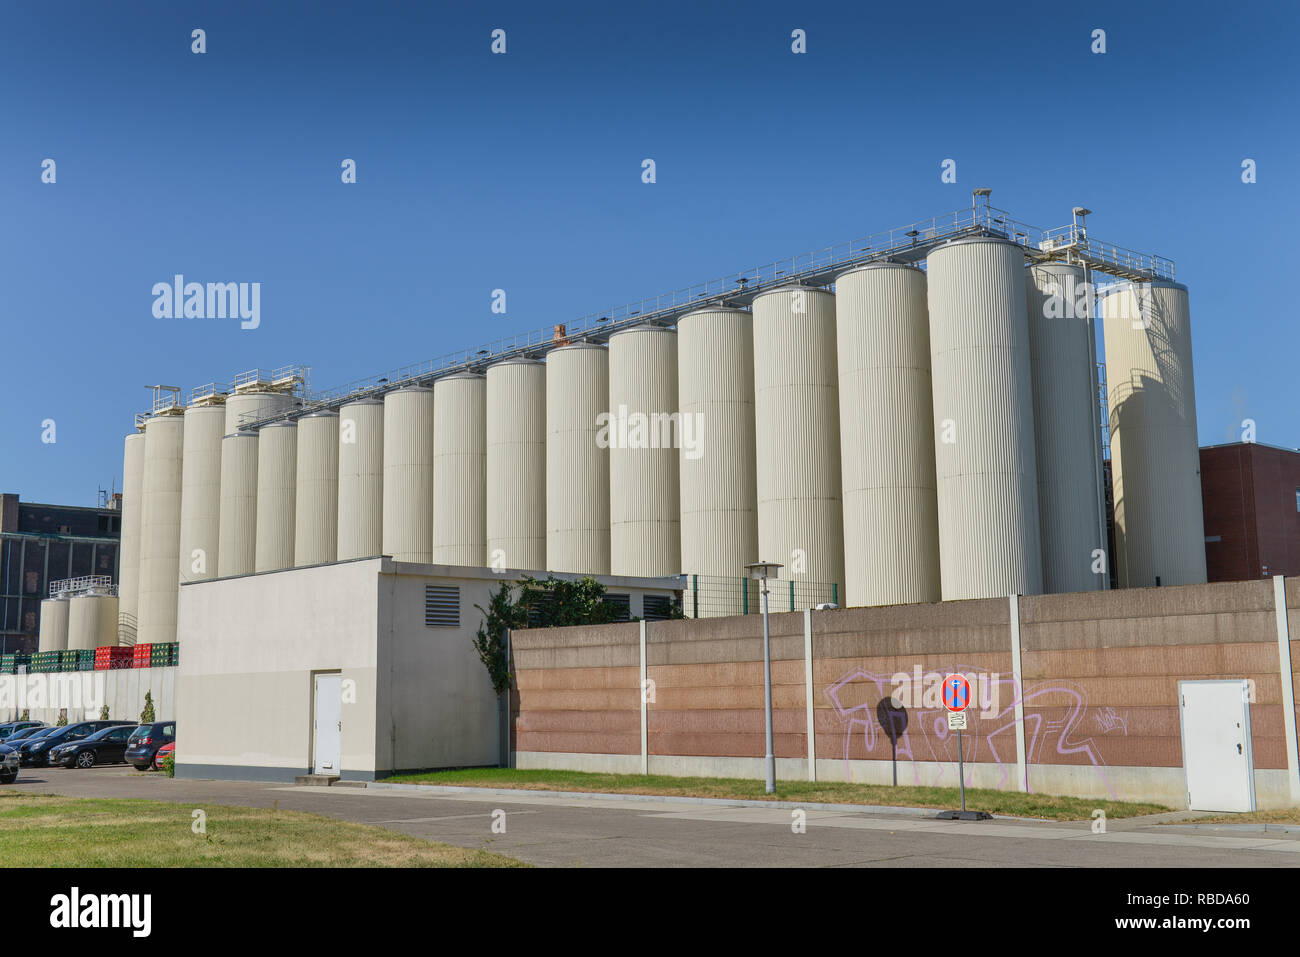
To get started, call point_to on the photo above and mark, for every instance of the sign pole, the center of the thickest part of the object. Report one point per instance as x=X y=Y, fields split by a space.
x=961 y=773
x=956 y=698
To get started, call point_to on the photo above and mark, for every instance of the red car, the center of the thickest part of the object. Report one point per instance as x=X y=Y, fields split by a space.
x=166 y=749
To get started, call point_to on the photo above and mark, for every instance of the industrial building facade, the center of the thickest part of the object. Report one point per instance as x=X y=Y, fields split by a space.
x=1252 y=511
x=40 y=544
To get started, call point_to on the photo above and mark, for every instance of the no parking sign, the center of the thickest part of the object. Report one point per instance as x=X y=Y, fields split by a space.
x=956 y=693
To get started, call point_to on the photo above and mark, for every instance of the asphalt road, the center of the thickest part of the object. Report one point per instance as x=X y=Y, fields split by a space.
x=603 y=832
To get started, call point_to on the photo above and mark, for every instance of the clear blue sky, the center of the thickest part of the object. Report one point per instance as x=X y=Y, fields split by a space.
x=523 y=172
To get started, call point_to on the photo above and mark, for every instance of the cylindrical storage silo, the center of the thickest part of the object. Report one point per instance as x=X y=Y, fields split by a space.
x=577 y=465
x=361 y=479
x=891 y=516
x=983 y=421
x=237 y=550
x=160 y=529
x=1154 y=458
x=201 y=491
x=245 y=408
x=460 y=470
x=797 y=412
x=128 y=566
x=92 y=619
x=277 y=466
x=408 y=475
x=1067 y=434
x=644 y=502
x=719 y=495
x=53 y=635
x=316 y=502
x=516 y=464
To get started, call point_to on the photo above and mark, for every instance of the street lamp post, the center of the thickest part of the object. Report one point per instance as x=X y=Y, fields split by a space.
x=762 y=571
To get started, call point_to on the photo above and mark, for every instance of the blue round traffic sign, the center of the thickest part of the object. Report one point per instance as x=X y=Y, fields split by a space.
x=956 y=693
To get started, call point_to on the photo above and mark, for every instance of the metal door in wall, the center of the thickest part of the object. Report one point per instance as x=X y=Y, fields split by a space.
x=327 y=731
x=1220 y=769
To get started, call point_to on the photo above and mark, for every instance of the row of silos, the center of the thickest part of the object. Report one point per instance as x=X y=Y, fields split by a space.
x=81 y=622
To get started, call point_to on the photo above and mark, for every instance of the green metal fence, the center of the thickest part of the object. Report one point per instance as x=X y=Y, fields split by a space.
x=712 y=596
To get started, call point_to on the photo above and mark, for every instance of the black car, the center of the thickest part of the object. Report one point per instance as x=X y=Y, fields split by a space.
x=36 y=753
x=105 y=746
x=11 y=728
x=8 y=764
x=30 y=737
x=146 y=741
x=26 y=734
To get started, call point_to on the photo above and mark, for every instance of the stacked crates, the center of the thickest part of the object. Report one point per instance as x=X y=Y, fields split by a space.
x=68 y=660
x=141 y=656
x=85 y=660
x=112 y=656
x=46 y=661
x=9 y=664
x=164 y=655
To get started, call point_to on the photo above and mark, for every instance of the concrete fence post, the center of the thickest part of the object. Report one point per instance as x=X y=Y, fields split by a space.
x=645 y=727
x=1017 y=676
x=1288 y=688
x=808 y=692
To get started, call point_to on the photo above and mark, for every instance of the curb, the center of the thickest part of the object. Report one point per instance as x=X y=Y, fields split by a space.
x=677 y=799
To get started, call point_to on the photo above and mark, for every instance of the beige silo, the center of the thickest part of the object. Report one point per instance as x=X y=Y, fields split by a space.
x=53 y=634
x=92 y=621
x=719 y=495
x=459 y=470
x=316 y=502
x=644 y=500
x=516 y=464
x=245 y=408
x=408 y=475
x=160 y=529
x=796 y=413
x=1067 y=433
x=201 y=491
x=237 y=548
x=987 y=482
x=891 y=520
x=361 y=479
x=577 y=464
x=277 y=466
x=1155 y=460
x=128 y=567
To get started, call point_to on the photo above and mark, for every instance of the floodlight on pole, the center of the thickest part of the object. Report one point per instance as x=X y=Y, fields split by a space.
x=762 y=571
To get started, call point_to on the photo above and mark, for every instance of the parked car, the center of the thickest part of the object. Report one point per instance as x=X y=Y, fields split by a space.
x=31 y=738
x=8 y=764
x=26 y=734
x=145 y=742
x=105 y=746
x=163 y=752
x=36 y=753
x=11 y=728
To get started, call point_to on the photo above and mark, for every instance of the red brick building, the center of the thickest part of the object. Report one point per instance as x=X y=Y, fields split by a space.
x=1251 y=499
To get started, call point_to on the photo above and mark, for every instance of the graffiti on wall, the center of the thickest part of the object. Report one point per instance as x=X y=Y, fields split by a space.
x=1055 y=720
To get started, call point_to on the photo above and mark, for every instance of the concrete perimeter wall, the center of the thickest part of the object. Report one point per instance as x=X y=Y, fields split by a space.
x=1093 y=711
x=122 y=689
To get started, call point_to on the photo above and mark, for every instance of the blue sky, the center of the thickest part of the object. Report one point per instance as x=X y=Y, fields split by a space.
x=523 y=172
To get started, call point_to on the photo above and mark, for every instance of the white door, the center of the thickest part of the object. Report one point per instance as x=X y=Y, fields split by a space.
x=328 y=730
x=1215 y=719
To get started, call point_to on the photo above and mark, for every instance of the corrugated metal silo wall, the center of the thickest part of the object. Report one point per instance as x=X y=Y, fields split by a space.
x=237 y=547
x=408 y=475
x=201 y=492
x=891 y=518
x=1155 y=461
x=1067 y=435
x=160 y=530
x=719 y=494
x=53 y=635
x=361 y=479
x=460 y=470
x=128 y=572
x=644 y=499
x=796 y=413
x=316 y=502
x=984 y=427
x=277 y=483
x=246 y=407
x=516 y=464
x=577 y=468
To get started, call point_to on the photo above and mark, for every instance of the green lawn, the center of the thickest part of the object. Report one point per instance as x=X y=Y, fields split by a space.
x=1012 y=803
x=53 y=831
